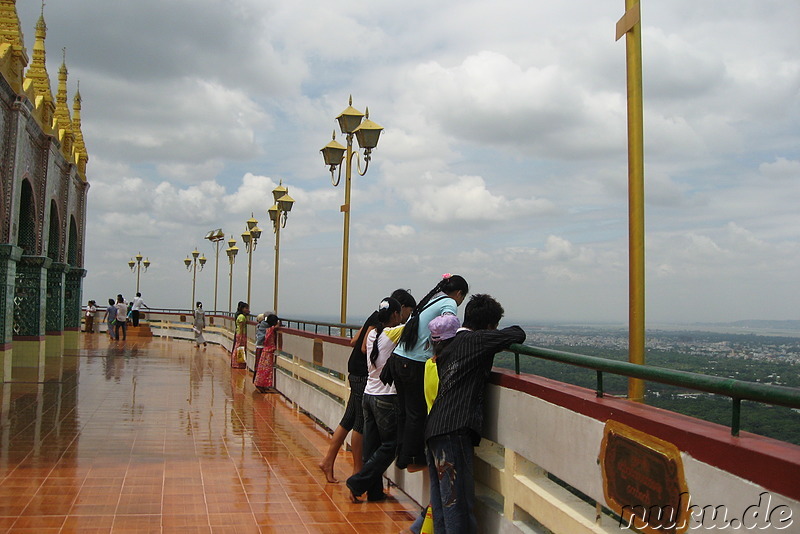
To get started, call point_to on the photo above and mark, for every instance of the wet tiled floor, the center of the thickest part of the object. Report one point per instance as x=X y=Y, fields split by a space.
x=157 y=436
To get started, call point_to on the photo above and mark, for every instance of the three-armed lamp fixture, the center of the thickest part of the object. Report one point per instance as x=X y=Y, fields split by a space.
x=352 y=123
x=191 y=265
x=278 y=213
x=250 y=238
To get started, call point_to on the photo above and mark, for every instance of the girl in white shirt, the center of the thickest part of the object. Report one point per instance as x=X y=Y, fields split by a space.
x=380 y=409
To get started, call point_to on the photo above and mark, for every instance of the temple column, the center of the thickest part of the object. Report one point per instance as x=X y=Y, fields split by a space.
x=9 y=256
x=54 y=321
x=73 y=295
x=30 y=307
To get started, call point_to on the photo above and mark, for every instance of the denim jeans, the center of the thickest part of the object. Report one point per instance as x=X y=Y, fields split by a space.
x=380 y=445
x=452 y=483
x=121 y=324
x=409 y=379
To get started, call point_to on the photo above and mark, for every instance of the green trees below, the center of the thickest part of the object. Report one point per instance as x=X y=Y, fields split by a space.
x=773 y=421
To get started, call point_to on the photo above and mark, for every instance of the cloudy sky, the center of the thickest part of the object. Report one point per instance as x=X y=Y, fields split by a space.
x=503 y=157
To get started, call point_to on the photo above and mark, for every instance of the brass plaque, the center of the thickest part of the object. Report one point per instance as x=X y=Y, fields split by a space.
x=643 y=480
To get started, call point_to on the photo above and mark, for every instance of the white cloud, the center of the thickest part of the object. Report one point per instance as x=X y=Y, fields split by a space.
x=503 y=158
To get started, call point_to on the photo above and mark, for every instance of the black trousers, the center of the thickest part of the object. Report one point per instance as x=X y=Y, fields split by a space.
x=135 y=317
x=409 y=380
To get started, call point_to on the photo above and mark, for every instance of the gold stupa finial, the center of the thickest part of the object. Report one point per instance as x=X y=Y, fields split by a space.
x=37 y=81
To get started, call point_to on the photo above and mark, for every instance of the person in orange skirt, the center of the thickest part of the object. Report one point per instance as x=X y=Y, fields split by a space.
x=240 y=336
x=264 y=378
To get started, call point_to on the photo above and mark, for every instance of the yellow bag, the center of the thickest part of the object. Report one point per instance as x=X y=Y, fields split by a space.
x=427 y=525
x=241 y=355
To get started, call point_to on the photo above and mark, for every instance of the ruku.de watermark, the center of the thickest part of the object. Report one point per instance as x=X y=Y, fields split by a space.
x=760 y=516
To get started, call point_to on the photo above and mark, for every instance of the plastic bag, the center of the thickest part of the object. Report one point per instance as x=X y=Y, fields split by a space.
x=427 y=525
x=240 y=355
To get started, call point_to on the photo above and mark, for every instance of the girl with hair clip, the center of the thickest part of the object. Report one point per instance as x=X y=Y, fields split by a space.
x=264 y=377
x=380 y=409
x=240 y=336
x=408 y=368
x=357 y=373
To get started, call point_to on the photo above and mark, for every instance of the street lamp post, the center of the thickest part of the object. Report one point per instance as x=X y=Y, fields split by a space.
x=352 y=123
x=278 y=214
x=216 y=236
x=250 y=238
x=136 y=266
x=191 y=265
x=232 y=251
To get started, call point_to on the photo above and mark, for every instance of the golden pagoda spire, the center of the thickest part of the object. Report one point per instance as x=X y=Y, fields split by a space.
x=81 y=156
x=62 y=123
x=13 y=57
x=37 y=81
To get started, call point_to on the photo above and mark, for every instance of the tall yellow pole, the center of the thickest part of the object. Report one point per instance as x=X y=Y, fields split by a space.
x=630 y=25
x=277 y=261
x=194 y=278
x=216 y=274
x=230 y=286
x=249 y=268
x=346 y=210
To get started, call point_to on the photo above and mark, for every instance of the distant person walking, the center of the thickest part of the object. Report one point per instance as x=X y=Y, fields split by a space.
x=91 y=310
x=240 y=336
x=110 y=317
x=136 y=307
x=121 y=318
x=199 y=325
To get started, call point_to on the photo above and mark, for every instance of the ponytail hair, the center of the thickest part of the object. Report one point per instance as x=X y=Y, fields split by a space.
x=388 y=307
x=447 y=285
x=239 y=307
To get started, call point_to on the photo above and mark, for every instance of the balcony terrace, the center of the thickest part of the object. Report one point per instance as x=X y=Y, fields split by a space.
x=154 y=435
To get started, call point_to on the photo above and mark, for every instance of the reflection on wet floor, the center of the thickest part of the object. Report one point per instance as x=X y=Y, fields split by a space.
x=157 y=436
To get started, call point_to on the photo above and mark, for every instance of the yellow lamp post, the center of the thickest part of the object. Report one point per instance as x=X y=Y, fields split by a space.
x=353 y=123
x=232 y=251
x=216 y=237
x=630 y=26
x=250 y=238
x=278 y=214
x=191 y=265
x=136 y=266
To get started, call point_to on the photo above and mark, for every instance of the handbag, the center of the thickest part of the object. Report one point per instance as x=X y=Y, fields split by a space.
x=240 y=355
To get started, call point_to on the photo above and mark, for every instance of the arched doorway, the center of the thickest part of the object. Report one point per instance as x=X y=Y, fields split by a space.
x=26 y=235
x=54 y=235
x=72 y=251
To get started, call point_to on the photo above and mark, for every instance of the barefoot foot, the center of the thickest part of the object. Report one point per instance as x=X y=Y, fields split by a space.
x=327 y=470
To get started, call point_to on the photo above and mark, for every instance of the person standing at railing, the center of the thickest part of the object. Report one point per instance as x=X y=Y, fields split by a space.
x=91 y=310
x=455 y=422
x=121 y=320
x=357 y=372
x=110 y=317
x=264 y=374
x=199 y=325
x=380 y=410
x=240 y=335
x=136 y=307
x=407 y=368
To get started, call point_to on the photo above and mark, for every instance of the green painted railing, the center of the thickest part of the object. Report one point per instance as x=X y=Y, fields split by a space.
x=737 y=390
x=317 y=326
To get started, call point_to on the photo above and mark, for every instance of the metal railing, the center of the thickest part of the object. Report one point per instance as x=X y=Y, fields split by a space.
x=316 y=326
x=737 y=390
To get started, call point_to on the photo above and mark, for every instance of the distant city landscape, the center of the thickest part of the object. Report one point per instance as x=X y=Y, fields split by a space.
x=767 y=352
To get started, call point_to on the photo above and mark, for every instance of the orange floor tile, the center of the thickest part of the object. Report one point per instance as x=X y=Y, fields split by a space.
x=156 y=436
